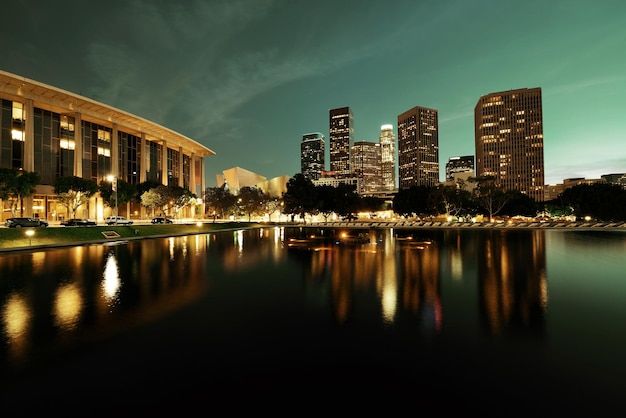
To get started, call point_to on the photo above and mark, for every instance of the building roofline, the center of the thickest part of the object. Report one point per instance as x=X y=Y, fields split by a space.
x=62 y=101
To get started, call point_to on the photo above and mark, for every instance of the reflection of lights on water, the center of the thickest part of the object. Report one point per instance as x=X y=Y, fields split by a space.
x=389 y=302
x=543 y=290
x=456 y=266
x=16 y=316
x=171 y=248
x=238 y=235
x=111 y=279
x=67 y=306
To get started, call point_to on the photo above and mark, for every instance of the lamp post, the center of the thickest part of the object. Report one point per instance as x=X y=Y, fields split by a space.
x=29 y=233
x=113 y=181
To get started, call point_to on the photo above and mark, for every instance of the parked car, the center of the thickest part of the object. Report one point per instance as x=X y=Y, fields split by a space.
x=161 y=220
x=25 y=222
x=117 y=220
x=78 y=222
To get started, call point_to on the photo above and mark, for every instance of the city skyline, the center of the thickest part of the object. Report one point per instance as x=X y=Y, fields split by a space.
x=248 y=78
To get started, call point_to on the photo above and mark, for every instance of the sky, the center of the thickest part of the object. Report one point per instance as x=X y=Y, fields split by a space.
x=247 y=78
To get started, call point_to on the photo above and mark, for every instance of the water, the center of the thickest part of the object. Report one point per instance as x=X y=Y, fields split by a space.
x=501 y=322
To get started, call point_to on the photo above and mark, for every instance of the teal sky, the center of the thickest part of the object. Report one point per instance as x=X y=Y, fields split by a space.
x=247 y=78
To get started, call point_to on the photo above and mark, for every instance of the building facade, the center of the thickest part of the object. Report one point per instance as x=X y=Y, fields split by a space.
x=366 y=165
x=418 y=148
x=312 y=159
x=341 y=133
x=509 y=140
x=56 y=134
x=457 y=165
x=387 y=141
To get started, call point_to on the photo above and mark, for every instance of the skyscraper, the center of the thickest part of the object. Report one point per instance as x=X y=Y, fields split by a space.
x=341 y=138
x=312 y=151
x=509 y=140
x=418 y=147
x=387 y=141
x=366 y=165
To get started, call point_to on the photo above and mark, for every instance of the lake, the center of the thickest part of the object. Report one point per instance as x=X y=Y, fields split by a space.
x=297 y=320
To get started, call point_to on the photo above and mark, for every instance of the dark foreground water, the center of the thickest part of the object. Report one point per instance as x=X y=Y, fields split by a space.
x=499 y=322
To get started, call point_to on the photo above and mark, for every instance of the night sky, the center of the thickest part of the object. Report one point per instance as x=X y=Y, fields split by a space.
x=247 y=78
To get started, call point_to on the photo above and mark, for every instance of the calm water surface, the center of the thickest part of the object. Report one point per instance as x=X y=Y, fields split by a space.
x=502 y=322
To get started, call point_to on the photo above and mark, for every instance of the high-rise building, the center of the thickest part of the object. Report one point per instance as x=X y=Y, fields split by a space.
x=418 y=147
x=509 y=140
x=312 y=151
x=457 y=165
x=366 y=165
x=387 y=141
x=341 y=138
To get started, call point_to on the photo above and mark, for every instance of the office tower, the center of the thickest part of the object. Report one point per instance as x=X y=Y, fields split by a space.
x=366 y=165
x=418 y=148
x=341 y=133
x=509 y=140
x=387 y=141
x=312 y=151
x=457 y=165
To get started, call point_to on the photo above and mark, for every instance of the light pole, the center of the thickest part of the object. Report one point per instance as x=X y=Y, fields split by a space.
x=113 y=181
x=29 y=233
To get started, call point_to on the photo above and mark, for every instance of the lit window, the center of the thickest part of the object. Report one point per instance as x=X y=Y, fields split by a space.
x=17 y=135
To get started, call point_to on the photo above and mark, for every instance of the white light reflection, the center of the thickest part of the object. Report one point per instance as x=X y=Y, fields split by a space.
x=68 y=304
x=171 y=248
x=239 y=240
x=111 y=279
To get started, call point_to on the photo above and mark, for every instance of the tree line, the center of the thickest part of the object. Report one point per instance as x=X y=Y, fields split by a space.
x=74 y=192
x=600 y=201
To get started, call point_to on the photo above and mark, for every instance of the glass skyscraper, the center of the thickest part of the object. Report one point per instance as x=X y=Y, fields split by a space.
x=341 y=139
x=312 y=160
x=509 y=140
x=418 y=147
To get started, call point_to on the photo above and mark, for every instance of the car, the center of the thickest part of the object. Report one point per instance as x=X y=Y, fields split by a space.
x=117 y=220
x=78 y=222
x=161 y=220
x=25 y=222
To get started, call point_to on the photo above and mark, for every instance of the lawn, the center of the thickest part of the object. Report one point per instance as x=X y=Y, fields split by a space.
x=14 y=238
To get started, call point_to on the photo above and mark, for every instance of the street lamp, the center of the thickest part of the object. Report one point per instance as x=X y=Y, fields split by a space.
x=29 y=233
x=113 y=181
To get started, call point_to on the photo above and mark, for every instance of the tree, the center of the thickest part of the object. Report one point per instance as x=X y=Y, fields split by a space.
x=519 y=203
x=299 y=198
x=489 y=195
x=152 y=200
x=219 y=200
x=251 y=200
x=272 y=206
x=602 y=201
x=126 y=192
x=15 y=185
x=74 y=192
x=412 y=201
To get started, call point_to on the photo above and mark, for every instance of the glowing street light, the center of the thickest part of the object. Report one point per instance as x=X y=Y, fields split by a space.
x=29 y=233
x=113 y=181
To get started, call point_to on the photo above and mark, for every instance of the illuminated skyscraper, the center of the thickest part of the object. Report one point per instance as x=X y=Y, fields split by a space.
x=366 y=165
x=312 y=159
x=418 y=148
x=341 y=138
x=509 y=140
x=387 y=141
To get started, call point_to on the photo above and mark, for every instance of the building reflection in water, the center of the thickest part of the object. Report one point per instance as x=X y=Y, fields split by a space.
x=512 y=296
x=389 y=276
x=54 y=297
